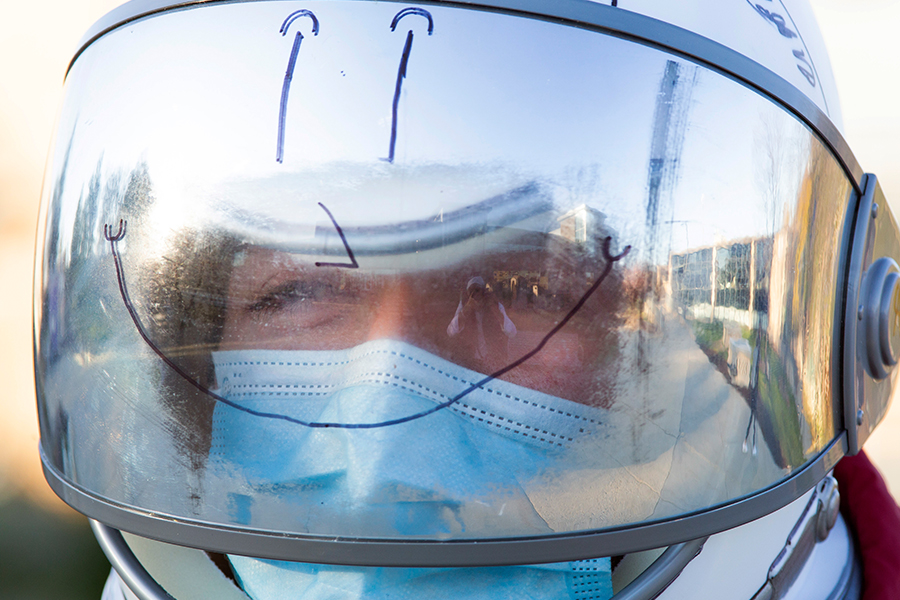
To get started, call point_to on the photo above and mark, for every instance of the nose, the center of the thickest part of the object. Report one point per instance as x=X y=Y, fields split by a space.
x=389 y=320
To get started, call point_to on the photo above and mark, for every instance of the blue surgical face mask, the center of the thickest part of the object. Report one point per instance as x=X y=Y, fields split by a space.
x=413 y=449
x=578 y=580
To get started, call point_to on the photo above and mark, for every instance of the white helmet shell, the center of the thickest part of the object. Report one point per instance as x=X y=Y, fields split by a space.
x=265 y=291
x=781 y=35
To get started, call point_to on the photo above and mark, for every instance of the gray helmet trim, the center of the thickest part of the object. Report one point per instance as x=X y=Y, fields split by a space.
x=646 y=586
x=865 y=398
x=612 y=21
x=428 y=553
x=126 y=564
x=591 y=15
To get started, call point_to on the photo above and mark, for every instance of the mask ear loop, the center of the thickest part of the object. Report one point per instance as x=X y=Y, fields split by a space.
x=113 y=240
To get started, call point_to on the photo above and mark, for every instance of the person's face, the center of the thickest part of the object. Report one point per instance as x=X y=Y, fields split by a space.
x=276 y=302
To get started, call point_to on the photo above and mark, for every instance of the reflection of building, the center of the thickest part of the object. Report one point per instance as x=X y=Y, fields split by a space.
x=575 y=224
x=726 y=282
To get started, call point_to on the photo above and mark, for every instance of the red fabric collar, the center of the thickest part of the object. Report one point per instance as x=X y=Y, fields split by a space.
x=874 y=516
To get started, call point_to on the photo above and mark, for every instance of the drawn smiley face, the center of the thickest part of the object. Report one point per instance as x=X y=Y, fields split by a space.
x=292 y=63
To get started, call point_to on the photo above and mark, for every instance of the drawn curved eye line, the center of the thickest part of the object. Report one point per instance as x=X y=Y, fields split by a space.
x=292 y=62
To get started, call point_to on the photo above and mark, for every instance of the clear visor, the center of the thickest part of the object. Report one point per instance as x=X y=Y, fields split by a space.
x=362 y=272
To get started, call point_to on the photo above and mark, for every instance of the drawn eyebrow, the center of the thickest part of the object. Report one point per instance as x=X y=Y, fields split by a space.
x=296 y=15
x=289 y=72
x=413 y=11
x=401 y=71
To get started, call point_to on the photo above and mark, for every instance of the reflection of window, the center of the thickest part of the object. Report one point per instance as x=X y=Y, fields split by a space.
x=693 y=272
x=733 y=276
x=762 y=268
x=728 y=276
x=580 y=230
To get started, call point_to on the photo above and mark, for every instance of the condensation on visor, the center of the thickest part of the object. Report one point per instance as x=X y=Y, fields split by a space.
x=707 y=355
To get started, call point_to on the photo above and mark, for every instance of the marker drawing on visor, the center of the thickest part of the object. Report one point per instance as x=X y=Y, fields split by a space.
x=401 y=71
x=113 y=240
x=289 y=73
x=352 y=264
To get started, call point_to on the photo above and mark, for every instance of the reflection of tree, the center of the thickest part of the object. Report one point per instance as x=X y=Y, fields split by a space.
x=179 y=295
x=802 y=280
x=814 y=259
x=52 y=315
x=777 y=407
x=90 y=286
x=101 y=202
x=53 y=281
x=778 y=158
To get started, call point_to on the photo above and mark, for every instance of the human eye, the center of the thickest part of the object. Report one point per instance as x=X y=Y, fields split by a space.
x=288 y=295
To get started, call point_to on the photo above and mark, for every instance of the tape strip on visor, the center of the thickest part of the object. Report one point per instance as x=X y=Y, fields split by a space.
x=506 y=310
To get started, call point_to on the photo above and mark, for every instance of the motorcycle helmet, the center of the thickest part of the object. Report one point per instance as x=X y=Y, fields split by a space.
x=461 y=299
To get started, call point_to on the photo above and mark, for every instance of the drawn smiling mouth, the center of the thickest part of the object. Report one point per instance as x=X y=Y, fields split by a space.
x=114 y=238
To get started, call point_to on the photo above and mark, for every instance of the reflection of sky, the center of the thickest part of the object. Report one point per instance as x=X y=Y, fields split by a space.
x=484 y=92
x=726 y=171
